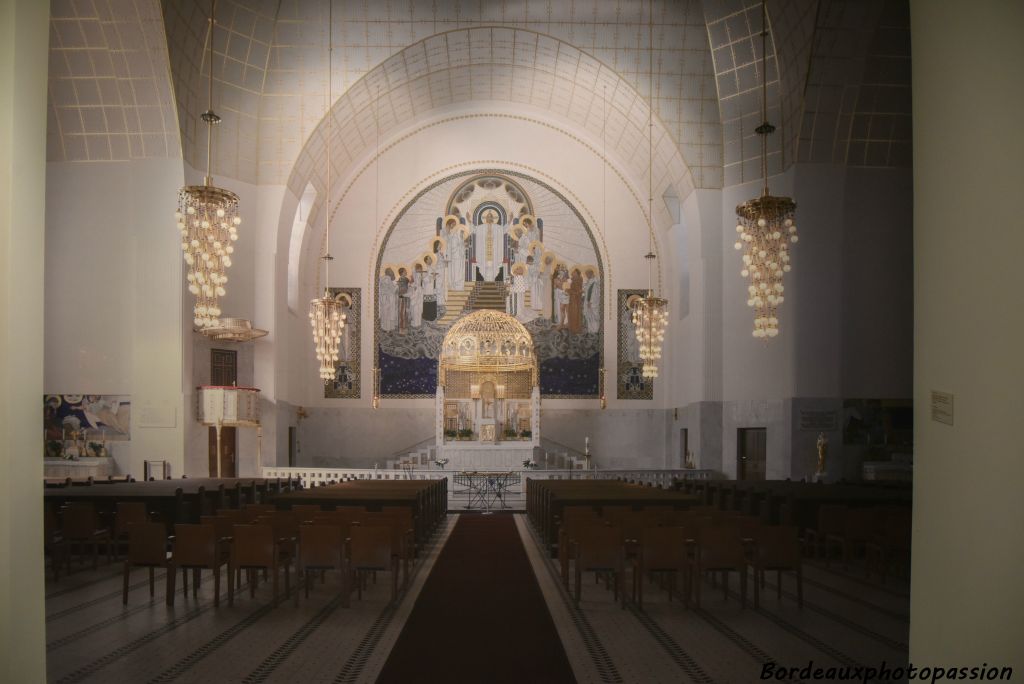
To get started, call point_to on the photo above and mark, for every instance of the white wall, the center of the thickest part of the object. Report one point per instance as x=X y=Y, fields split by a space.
x=113 y=297
x=967 y=594
x=23 y=60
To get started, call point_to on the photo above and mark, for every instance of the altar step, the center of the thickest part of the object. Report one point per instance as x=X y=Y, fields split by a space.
x=455 y=305
x=487 y=295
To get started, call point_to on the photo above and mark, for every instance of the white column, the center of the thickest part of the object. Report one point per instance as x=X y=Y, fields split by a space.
x=967 y=552
x=24 y=39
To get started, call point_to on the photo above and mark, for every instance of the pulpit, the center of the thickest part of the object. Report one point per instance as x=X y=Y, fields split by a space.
x=223 y=407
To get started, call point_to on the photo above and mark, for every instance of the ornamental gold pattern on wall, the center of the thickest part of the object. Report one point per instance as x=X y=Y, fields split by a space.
x=630 y=380
x=348 y=372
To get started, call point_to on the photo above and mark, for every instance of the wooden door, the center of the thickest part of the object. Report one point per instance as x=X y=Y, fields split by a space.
x=228 y=449
x=223 y=373
x=751 y=453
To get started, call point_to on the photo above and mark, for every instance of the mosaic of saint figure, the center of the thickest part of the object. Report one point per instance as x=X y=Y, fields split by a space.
x=442 y=257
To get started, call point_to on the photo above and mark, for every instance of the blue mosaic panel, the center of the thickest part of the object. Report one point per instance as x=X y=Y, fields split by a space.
x=416 y=377
x=573 y=377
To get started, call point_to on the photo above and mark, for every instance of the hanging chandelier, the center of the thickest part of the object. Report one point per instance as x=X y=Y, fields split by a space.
x=325 y=313
x=650 y=313
x=208 y=221
x=765 y=228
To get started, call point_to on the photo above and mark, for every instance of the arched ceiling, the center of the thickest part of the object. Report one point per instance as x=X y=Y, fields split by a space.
x=270 y=66
x=110 y=95
x=488 y=65
x=843 y=89
x=127 y=77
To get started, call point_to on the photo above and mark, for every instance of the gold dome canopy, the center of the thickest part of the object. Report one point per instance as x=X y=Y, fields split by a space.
x=487 y=347
x=488 y=340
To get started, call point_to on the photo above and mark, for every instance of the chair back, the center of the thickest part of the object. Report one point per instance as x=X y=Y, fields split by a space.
x=253 y=545
x=371 y=547
x=663 y=548
x=129 y=512
x=599 y=547
x=224 y=525
x=79 y=520
x=195 y=545
x=719 y=546
x=320 y=546
x=306 y=512
x=831 y=519
x=147 y=544
x=860 y=523
x=778 y=547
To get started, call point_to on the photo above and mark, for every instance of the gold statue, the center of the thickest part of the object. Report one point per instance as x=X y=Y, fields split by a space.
x=822 y=452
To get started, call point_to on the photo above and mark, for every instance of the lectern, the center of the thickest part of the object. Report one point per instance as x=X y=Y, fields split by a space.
x=230 y=407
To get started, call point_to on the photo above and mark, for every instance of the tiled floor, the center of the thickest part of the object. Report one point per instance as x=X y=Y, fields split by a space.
x=93 y=638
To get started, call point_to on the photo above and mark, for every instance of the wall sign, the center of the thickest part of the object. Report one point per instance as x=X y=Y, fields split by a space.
x=818 y=421
x=942 y=407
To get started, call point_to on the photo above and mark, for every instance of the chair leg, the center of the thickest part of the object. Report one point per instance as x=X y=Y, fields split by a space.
x=169 y=589
x=196 y=574
x=124 y=594
x=252 y=574
x=800 y=586
x=152 y=583
x=725 y=584
x=743 y=587
x=778 y=582
x=216 y=584
x=274 y=570
x=231 y=585
x=757 y=587
x=184 y=582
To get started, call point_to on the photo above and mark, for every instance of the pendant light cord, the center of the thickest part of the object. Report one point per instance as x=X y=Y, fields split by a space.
x=764 y=94
x=650 y=148
x=208 y=116
x=330 y=125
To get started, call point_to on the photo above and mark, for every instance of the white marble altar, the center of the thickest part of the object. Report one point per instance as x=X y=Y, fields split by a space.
x=489 y=457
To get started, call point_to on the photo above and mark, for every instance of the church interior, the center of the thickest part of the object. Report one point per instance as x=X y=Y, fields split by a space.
x=498 y=341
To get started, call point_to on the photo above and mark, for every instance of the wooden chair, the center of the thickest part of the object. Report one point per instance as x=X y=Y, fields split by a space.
x=54 y=544
x=127 y=513
x=573 y=518
x=370 y=550
x=403 y=543
x=777 y=548
x=599 y=549
x=719 y=549
x=831 y=520
x=81 y=525
x=889 y=544
x=322 y=547
x=255 y=547
x=147 y=547
x=306 y=512
x=859 y=525
x=663 y=550
x=196 y=548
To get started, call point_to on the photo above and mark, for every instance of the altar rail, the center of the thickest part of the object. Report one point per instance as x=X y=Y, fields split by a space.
x=321 y=476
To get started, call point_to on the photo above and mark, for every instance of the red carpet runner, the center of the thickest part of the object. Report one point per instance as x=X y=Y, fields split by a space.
x=480 y=616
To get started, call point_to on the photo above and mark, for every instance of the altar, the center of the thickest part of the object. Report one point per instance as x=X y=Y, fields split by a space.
x=488 y=395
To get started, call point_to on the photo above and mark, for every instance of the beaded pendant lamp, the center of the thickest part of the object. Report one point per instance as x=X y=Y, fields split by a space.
x=325 y=313
x=208 y=221
x=765 y=229
x=650 y=313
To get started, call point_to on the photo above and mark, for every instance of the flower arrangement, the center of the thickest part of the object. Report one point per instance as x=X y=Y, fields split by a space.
x=441 y=462
x=529 y=464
